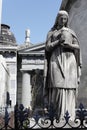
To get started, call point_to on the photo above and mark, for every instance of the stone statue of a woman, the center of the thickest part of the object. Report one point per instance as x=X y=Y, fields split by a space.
x=62 y=67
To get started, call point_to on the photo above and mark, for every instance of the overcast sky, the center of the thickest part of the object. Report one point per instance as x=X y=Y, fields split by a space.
x=36 y=15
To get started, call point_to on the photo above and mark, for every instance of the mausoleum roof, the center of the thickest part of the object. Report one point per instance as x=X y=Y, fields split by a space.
x=6 y=36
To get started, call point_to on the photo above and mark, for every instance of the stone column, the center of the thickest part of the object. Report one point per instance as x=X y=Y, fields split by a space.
x=26 y=90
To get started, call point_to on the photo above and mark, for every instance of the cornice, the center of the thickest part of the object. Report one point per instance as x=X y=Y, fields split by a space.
x=8 y=48
x=32 y=47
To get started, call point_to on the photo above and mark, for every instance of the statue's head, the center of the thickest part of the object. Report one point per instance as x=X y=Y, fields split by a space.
x=61 y=19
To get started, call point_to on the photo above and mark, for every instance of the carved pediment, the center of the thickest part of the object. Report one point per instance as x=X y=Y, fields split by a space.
x=37 y=48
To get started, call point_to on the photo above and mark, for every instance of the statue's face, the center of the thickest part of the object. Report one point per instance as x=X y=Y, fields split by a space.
x=62 y=20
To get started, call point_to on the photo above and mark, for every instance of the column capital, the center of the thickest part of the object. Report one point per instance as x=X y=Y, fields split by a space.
x=25 y=70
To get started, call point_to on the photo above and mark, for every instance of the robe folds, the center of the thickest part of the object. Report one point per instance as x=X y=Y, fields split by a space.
x=62 y=71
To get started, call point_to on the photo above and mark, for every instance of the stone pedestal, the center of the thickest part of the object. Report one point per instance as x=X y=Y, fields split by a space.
x=26 y=90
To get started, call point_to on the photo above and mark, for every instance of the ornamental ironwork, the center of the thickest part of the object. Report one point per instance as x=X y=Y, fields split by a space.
x=24 y=118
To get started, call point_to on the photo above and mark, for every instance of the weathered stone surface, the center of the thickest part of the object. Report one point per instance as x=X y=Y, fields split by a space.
x=78 y=22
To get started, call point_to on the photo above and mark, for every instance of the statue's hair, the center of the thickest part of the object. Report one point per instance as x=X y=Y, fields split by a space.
x=63 y=12
x=60 y=13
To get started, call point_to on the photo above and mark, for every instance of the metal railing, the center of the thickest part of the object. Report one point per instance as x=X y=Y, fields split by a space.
x=24 y=118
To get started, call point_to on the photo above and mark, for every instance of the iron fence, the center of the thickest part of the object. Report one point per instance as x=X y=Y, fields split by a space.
x=24 y=118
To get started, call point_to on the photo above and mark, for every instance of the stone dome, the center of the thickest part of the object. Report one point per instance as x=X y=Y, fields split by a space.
x=6 y=36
